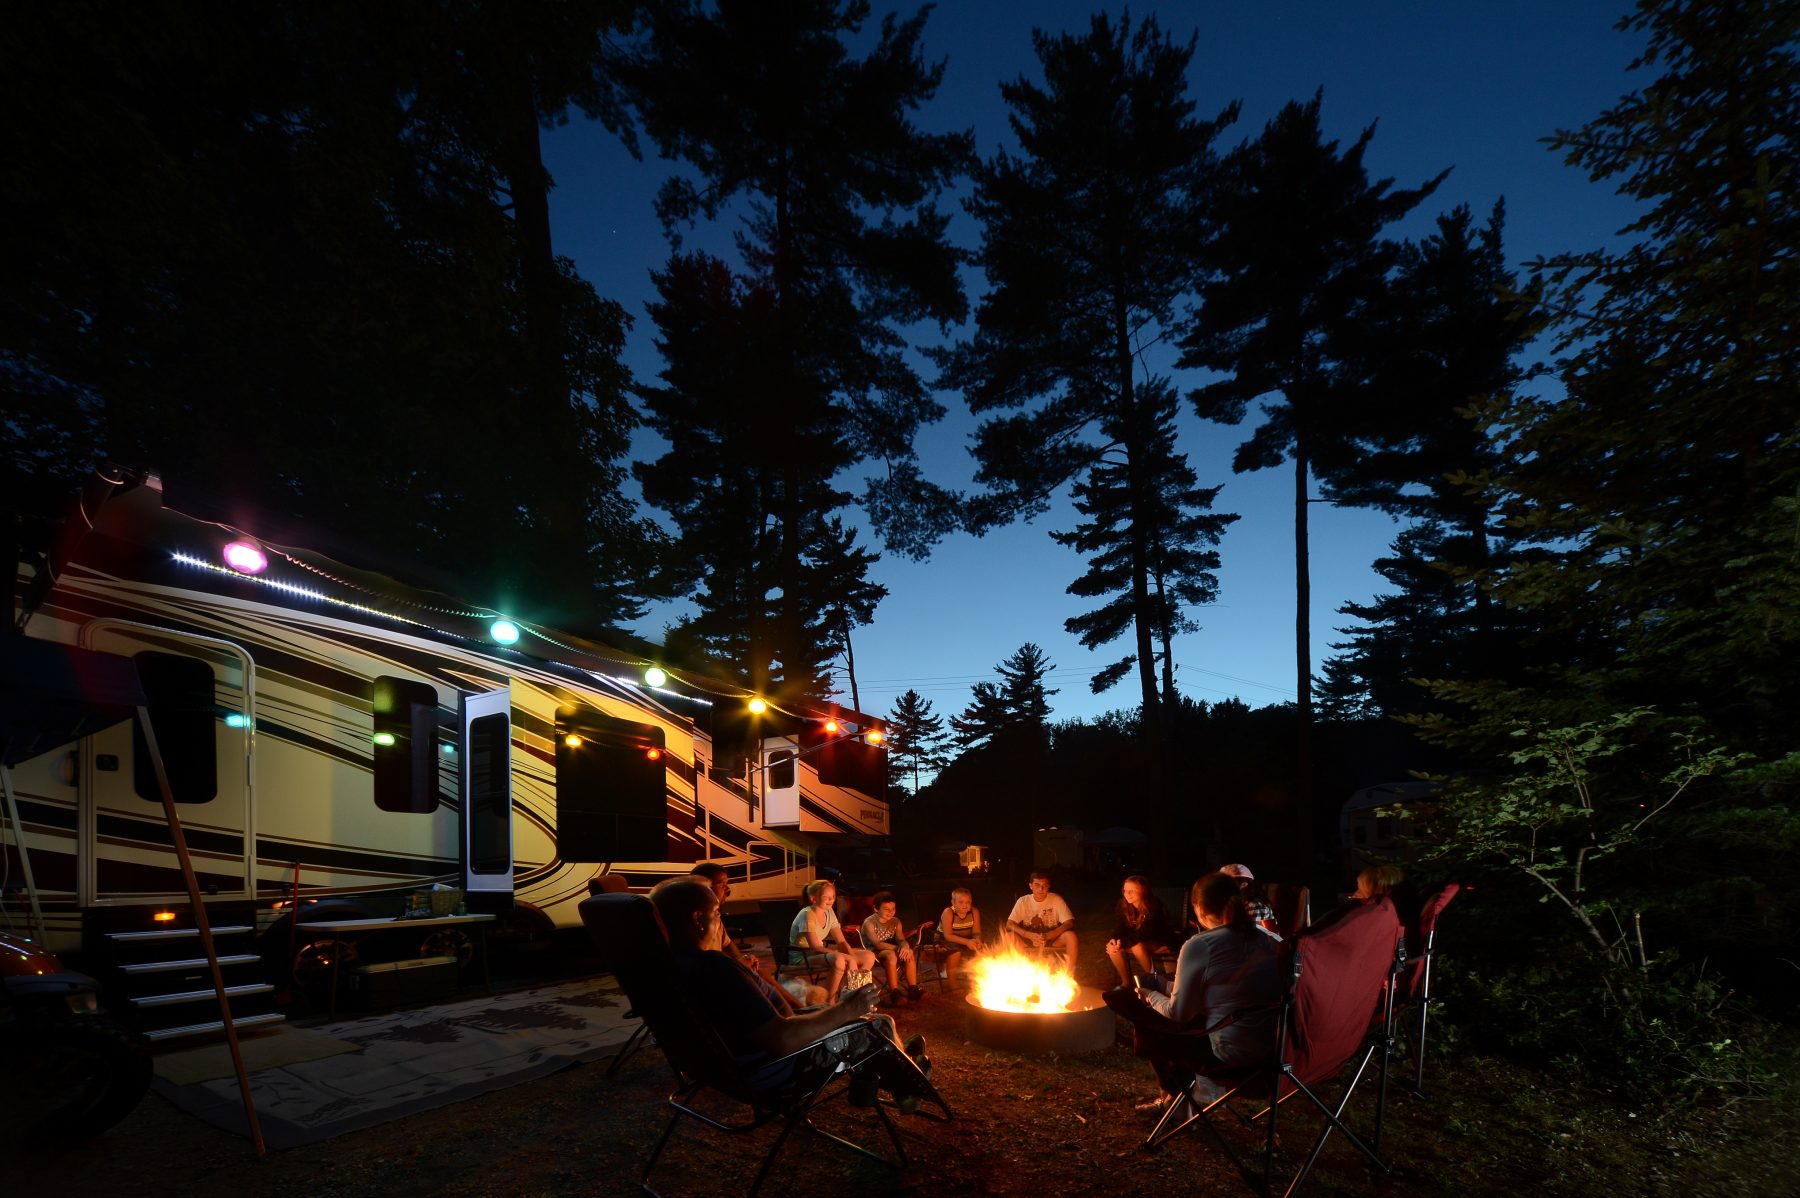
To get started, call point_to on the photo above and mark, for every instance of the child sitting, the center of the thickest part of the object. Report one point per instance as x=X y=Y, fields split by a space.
x=959 y=928
x=883 y=936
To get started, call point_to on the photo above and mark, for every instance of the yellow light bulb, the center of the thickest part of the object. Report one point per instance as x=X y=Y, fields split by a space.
x=757 y=707
x=573 y=741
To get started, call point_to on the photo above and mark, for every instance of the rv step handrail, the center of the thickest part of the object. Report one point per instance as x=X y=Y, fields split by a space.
x=173 y=934
x=192 y=963
x=169 y=1000
x=217 y=1025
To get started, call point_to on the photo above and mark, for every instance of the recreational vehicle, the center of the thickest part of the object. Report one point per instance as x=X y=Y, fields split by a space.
x=335 y=740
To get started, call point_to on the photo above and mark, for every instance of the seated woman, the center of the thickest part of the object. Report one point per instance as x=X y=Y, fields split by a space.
x=883 y=935
x=816 y=927
x=1141 y=931
x=1260 y=911
x=959 y=927
x=1378 y=882
x=1225 y=975
x=757 y=1027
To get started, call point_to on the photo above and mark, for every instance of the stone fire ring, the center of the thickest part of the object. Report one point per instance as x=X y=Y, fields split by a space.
x=1087 y=1027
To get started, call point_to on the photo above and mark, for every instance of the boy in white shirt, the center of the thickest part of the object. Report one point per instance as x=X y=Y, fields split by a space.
x=1041 y=920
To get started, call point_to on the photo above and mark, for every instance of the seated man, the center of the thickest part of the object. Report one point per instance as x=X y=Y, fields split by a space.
x=717 y=877
x=758 y=1027
x=1041 y=921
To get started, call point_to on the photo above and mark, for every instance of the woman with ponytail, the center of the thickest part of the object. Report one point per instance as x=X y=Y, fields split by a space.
x=1226 y=981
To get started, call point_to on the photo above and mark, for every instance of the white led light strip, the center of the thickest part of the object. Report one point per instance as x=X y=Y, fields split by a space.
x=288 y=588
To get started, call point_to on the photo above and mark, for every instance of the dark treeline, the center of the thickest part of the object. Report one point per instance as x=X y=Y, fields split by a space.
x=297 y=258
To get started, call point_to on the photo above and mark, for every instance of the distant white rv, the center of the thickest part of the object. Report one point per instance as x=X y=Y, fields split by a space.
x=332 y=732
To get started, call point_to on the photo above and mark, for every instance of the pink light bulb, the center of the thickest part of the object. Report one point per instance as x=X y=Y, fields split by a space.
x=245 y=558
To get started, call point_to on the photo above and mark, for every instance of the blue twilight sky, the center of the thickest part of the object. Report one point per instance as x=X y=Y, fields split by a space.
x=1462 y=85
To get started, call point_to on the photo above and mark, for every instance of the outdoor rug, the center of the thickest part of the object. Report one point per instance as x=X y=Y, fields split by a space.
x=263 y=1048
x=411 y=1061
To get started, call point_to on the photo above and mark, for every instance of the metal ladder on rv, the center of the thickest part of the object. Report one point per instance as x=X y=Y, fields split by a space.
x=164 y=981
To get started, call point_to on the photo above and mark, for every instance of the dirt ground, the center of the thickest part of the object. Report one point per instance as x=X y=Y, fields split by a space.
x=1022 y=1126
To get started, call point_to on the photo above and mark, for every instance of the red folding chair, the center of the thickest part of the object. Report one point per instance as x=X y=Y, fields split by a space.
x=1413 y=988
x=1338 y=1002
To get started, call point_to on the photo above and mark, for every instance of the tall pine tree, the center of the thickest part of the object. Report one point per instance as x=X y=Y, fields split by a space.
x=1089 y=238
x=1018 y=704
x=1670 y=469
x=1177 y=539
x=1449 y=354
x=1296 y=270
x=915 y=742
x=840 y=244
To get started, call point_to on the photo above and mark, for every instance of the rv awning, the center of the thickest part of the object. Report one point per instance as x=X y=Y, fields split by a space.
x=52 y=694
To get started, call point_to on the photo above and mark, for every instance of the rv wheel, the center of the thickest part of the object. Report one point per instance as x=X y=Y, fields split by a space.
x=312 y=964
x=521 y=938
x=450 y=942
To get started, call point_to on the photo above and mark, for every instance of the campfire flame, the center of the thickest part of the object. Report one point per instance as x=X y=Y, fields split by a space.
x=1012 y=981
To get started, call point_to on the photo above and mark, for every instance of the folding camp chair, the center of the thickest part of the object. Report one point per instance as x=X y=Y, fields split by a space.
x=1338 y=1001
x=627 y=931
x=923 y=938
x=1413 y=988
x=616 y=884
x=1292 y=905
x=791 y=960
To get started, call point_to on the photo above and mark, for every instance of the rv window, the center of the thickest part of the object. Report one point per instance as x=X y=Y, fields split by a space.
x=490 y=815
x=405 y=746
x=611 y=790
x=781 y=770
x=180 y=691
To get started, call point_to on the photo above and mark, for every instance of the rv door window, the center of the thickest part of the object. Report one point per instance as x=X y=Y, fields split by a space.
x=182 y=711
x=781 y=770
x=490 y=809
x=405 y=745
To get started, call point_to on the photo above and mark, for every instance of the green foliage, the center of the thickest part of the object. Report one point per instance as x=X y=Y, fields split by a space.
x=1570 y=804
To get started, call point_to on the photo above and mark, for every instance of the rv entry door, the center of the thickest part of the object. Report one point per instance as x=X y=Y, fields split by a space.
x=201 y=693
x=487 y=856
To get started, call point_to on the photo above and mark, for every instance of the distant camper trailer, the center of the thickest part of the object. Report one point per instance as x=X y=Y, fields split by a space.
x=1057 y=846
x=333 y=731
x=1373 y=828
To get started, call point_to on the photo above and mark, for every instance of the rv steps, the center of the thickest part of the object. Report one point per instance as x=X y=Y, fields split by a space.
x=171 y=934
x=168 y=1000
x=191 y=963
x=159 y=981
x=217 y=1025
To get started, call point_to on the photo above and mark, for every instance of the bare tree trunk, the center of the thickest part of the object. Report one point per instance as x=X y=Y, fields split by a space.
x=1303 y=763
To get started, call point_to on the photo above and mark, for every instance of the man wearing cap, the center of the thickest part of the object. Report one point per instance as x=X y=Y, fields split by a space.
x=1261 y=912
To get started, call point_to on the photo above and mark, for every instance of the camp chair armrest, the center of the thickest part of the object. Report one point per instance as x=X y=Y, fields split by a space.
x=799 y=1053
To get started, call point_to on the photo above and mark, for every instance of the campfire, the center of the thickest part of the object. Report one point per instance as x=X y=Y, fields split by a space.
x=1012 y=981
x=1023 y=1004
